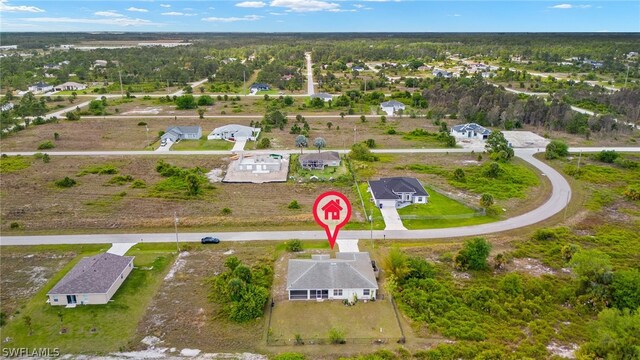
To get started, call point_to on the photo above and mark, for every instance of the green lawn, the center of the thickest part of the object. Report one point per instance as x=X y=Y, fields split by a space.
x=312 y=320
x=378 y=222
x=202 y=144
x=115 y=323
x=440 y=212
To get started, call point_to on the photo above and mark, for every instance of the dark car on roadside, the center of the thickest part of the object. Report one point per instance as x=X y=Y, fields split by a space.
x=209 y=240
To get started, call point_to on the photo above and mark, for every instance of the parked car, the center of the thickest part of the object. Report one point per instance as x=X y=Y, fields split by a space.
x=209 y=240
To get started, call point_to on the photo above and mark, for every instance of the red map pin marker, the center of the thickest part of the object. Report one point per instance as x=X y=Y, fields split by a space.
x=332 y=210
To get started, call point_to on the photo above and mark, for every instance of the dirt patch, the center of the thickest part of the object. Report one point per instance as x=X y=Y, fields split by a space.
x=563 y=351
x=144 y=111
x=530 y=266
x=24 y=274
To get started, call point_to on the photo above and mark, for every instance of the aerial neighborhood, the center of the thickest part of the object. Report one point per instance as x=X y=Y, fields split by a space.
x=309 y=195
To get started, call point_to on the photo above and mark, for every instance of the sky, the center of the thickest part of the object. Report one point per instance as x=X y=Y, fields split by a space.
x=319 y=16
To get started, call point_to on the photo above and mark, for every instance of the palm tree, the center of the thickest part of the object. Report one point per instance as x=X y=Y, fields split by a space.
x=301 y=141
x=319 y=143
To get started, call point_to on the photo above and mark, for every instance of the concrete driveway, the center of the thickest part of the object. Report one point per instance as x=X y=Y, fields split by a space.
x=239 y=144
x=166 y=147
x=391 y=217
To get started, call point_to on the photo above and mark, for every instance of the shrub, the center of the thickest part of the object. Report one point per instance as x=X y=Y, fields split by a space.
x=632 y=193
x=458 y=175
x=67 y=182
x=294 y=245
x=391 y=132
x=138 y=184
x=556 y=149
x=486 y=200
x=46 y=145
x=142 y=123
x=294 y=204
x=120 y=179
x=607 y=156
x=226 y=211
x=545 y=235
x=371 y=143
x=15 y=225
x=336 y=336
x=291 y=355
x=625 y=163
x=361 y=152
x=264 y=143
x=473 y=254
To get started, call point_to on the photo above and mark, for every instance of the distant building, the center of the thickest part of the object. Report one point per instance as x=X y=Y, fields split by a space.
x=392 y=107
x=176 y=133
x=40 y=87
x=94 y=280
x=100 y=63
x=318 y=161
x=357 y=68
x=470 y=131
x=70 y=85
x=234 y=132
x=260 y=163
x=6 y=107
x=259 y=87
x=397 y=192
x=8 y=47
x=324 y=96
x=349 y=276
x=442 y=73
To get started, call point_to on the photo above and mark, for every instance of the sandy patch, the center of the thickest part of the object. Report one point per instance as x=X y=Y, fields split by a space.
x=177 y=266
x=564 y=351
x=215 y=175
x=145 y=111
x=531 y=266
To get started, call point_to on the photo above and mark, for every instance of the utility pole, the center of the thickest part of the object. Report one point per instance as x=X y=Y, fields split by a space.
x=147 y=128
x=371 y=225
x=244 y=83
x=175 y=224
x=626 y=77
x=121 y=90
x=355 y=129
x=579 y=158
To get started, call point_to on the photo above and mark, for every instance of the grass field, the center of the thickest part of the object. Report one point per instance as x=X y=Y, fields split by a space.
x=202 y=144
x=96 y=328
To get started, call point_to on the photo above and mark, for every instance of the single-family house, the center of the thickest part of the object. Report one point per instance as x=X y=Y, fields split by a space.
x=51 y=67
x=470 y=131
x=397 y=191
x=392 y=107
x=234 y=132
x=94 y=280
x=318 y=161
x=350 y=276
x=324 y=96
x=6 y=107
x=442 y=73
x=259 y=87
x=40 y=87
x=175 y=133
x=70 y=85
x=101 y=63
x=260 y=163
x=357 y=68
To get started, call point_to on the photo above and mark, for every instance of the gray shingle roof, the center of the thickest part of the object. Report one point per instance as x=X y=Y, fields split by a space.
x=346 y=271
x=325 y=156
x=388 y=188
x=471 y=127
x=393 y=103
x=234 y=130
x=322 y=96
x=92 y=275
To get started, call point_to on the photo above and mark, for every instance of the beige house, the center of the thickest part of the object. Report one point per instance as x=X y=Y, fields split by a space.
x=94 y=280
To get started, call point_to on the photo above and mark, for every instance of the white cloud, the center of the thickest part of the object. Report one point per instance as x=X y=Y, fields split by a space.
x=177 y=13
x=278 y=14
x=359 y=6
x=137 y=9
x=233 y=18
x=305 y=5
x=118 y=21
x=18 y=8
x=569 y=6
x=251 y=4
x=165 y=5
x=109 y=13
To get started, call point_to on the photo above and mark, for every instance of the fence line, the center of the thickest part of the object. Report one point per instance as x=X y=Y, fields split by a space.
x=326 y=341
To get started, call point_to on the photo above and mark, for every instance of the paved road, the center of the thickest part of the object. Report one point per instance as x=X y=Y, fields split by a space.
x=310 y=90
x=560 y=196
x=193 y=85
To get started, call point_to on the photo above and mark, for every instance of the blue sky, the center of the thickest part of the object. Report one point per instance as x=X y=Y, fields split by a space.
x=320 y=16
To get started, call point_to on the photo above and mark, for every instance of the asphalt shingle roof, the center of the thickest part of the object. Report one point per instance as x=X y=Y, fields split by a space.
x=472 y=127
x=392 y=103
x=92 y=275
x=346 y=271
x=324 y=156
x=388 y=188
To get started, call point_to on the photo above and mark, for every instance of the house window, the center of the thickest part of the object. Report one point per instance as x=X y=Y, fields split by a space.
x=337 y=292
x=55 y=299
x=366 y=292
x=298 y=295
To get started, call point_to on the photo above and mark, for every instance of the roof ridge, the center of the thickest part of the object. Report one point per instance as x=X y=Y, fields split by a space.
x=304 y=273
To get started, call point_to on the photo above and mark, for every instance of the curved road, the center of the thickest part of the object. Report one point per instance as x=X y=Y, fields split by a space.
x=560 y=197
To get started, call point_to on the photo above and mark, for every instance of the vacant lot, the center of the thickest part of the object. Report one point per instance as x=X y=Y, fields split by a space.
x=26 y=270
x=96 y=328
x=181 y=314
x=32 y=201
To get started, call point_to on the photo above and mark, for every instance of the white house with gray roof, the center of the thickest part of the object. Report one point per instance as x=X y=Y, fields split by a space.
x=324 y=96
x=392 y=107
x=349 y=275
x=175 y=133
x=94 y=280
x=397 y=192
x=234 y=132
x=470 y=131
